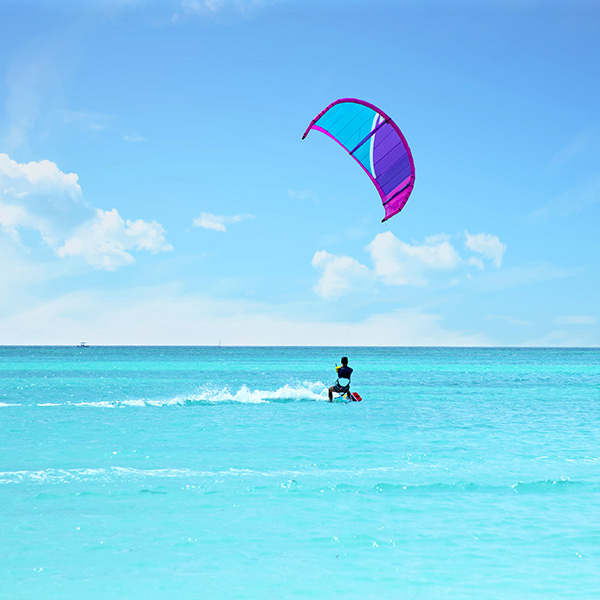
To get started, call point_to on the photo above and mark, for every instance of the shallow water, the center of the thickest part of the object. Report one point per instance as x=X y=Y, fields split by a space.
x=225 y=473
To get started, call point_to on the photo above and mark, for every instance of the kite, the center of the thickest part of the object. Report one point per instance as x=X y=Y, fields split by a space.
x=376 y=143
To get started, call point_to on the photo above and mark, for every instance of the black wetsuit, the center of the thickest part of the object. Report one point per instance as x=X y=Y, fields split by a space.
x=344 y=372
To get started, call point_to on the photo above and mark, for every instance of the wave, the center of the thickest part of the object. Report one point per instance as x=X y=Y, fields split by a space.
x=54 y=476
x=302 y=481
x=547 y=485
x=521 y=487
x=107 y=474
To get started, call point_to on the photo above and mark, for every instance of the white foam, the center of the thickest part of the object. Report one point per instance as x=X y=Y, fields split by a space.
x=103 y=404
x=244 y=395
x=305 y=391
x=114 y=473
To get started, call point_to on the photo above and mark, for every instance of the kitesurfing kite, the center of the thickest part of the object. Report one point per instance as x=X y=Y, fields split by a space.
x=376 y=143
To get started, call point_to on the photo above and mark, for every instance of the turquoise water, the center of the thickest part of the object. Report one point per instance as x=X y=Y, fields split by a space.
x=224 y=473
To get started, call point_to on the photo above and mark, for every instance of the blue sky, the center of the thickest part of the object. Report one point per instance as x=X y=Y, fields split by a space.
x=154 y=188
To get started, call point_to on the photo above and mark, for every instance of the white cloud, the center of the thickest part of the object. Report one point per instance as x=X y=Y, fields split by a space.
x=476 y=262
x=340 y=275
x=40 y=197
x=487 y=245
x=396 y=262
x=399 y=263
x=219 y=222
x=576 y=320
x=104 y=241
x=13 y=217
x=37 y=177
x=132 y=138
x=162 y=315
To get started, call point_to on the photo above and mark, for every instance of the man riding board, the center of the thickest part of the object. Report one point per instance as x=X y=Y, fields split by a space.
x=342 y=385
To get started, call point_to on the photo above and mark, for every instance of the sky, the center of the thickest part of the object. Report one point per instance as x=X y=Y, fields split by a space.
x=154 y=187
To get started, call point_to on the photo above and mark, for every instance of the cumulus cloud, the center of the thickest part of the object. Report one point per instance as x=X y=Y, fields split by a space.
x=399 y=263
x=104 y=241
x=39 y=196
x=487 y=245
x=13 y=217
x=219 y=222
x=340 y=274
x=476 y=262
x=42 y=176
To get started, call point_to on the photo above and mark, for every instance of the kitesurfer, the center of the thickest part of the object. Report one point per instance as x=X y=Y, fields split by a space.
x=342 y=385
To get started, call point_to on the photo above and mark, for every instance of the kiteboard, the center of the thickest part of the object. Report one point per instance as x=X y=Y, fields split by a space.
x=350 y=397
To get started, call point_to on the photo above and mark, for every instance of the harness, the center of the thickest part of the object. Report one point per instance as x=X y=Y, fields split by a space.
x=342 y=385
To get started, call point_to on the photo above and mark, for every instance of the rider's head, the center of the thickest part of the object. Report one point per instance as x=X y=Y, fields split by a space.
x=344 y=360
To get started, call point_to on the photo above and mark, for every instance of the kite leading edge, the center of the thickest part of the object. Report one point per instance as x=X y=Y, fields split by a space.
x=376 y=143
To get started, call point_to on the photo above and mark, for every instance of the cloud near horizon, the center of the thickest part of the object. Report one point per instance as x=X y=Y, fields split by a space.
x=163 y=315
x=38 y=196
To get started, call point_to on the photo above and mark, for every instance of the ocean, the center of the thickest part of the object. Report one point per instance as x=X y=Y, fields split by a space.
x=197 y=472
